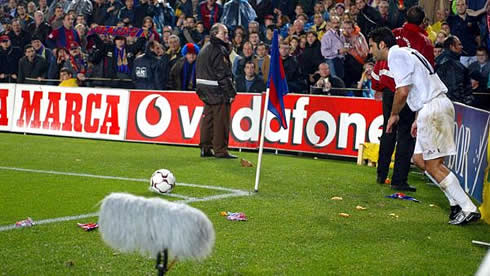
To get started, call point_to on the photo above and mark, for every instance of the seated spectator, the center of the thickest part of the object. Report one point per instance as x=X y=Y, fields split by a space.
x=453 y=73
x=67 y=79
x=237 y=42
x=262 y=61
x=9 y=60
x=294 y=48
x=441 y=36
x=18 y=37
x=292 y=69
x=39 y=27
x=64 y=35
x=325 y=83
x=480 y=69
x=249 y=81
x=254 y=39
x=209 y=12
x=148 y=71
x=239 y=62
x=32 y=66
x=183 y=73
x=365 y=83
x=201 y=32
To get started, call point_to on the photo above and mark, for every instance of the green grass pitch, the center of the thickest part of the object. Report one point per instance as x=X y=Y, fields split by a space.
x=294 y=227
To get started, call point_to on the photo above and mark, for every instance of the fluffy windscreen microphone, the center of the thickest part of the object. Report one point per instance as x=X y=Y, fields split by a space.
x=149 y=225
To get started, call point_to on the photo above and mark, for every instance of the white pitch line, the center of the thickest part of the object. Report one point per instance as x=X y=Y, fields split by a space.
x=186 y=199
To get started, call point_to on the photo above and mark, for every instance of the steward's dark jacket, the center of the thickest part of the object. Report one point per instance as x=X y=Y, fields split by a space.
x=455 y=76
x=258 y=86
x=214 y=83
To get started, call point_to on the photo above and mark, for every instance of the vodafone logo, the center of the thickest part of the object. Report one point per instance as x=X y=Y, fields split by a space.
x=162 y=105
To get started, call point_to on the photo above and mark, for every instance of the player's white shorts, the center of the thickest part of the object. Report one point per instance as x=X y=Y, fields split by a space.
x=435 y=129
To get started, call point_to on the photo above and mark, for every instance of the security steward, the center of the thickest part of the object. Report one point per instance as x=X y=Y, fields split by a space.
x=214 y=87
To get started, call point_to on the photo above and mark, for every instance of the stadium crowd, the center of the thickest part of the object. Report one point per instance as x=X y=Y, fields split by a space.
x=153 y=44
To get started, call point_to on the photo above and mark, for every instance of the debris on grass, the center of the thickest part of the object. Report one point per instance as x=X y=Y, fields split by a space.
x=402 y=196
x=88 y=226
x=345 y=215
x=28 y=222
x=234 y=216
x=337 y=198
x=394 y=215
x=432 y=205
x=245 y=163
x=360 y=208
x=388 y=181
x=69 y=263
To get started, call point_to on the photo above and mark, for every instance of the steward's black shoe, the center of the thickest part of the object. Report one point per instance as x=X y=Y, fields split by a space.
x=380 y=180
x=406 y=188
x=226 y=156
x=207 y=153
x=463 y=218
x=454 y=211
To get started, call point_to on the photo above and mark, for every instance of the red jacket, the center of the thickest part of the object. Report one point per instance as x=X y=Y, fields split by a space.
x=381 y=77
x=411 y=35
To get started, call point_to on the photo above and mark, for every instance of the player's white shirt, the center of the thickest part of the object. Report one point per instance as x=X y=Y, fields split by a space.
x=409 y=67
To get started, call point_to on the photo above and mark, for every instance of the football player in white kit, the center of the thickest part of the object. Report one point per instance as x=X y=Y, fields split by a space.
x=418 y=85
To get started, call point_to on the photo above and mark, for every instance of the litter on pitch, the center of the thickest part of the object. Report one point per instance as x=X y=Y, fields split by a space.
x=234 y=216
x=88 y=226
x=28 y=222
x=402 y=196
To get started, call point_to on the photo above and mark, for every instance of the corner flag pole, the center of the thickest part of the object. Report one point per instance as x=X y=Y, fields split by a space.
x=261 y=146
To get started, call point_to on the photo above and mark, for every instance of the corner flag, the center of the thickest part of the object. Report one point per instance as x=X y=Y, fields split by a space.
x=277 y=84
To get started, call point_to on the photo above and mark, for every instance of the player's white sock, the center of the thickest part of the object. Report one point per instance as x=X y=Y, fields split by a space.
x=451 y=200
x=450 y=185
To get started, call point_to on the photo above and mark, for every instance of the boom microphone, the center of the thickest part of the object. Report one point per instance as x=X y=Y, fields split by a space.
x=131 y=223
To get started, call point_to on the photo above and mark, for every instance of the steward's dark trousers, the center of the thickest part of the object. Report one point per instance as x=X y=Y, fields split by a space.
x=400 y=136
x=215 y=128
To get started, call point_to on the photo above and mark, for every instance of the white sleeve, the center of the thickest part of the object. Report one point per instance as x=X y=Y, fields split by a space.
x=401 y=66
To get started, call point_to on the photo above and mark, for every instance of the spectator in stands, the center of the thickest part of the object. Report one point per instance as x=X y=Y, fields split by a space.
x=453 y=73
x=189 y=33
x=283 y=25
x=441 y=16
x=77 y=61
x=311 y=57
x=164 y=14
x=239 y=62
x=438 y=48
x=249 y=81
x=413 y=34
x=319 y=26
x=31 y=8
x=391 y=20
x=113 y=8
x=64 y=35
x=82 y=34
x=237 y=42
x=262 y=9
x=254 y=40
x=61 y=55
x=43 y=6
x=298 y=28
x=325 y=83
x=480 y=69
x=56 y=20
x=365 y=82
x=294 y=48
x=441 y=36
x=294 y=75
x=209 y=12
x=357 y=52
x=24 y=18
x=115 y=60
x=238 y=12
x=41 y=49
x=9 y=60
x=269 y=34
x=183 y=73
x=32 y=66
x=150 y=29
x=262 y=61
x=201 y=32
x=148 y=72
x=184 y=7
x=127 y=13
x=39 y=27
x=18 y=37
x=465 y=27
x=84 y=7
x=368 y=17
x=333 y=50
x=67 y=79
x=174 y=51
x=99 y=14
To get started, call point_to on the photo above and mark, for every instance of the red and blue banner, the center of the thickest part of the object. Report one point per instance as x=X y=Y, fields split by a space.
x=278 y=86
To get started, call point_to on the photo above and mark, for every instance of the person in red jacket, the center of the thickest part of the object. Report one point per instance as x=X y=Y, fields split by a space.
x=414 y=36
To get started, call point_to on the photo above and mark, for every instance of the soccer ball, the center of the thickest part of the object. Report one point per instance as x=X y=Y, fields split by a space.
x=162 y=181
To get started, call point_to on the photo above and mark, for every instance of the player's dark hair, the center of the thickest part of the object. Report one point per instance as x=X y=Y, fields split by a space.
x=449 y=41
x=383 y=34
x=415 y=15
